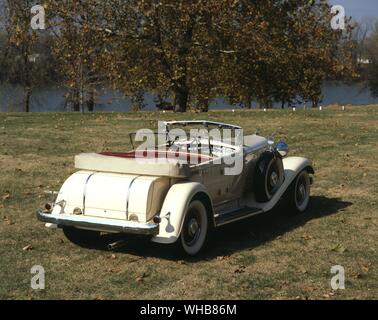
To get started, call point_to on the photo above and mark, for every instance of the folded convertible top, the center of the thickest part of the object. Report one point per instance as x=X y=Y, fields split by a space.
x=147 y=167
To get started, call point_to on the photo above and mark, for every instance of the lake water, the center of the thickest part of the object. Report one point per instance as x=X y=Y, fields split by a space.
x=52 y=99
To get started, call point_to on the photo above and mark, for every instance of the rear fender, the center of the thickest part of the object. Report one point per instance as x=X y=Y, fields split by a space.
x=174 y=208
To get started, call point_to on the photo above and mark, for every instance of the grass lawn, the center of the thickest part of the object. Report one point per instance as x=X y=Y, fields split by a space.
x=274 y=256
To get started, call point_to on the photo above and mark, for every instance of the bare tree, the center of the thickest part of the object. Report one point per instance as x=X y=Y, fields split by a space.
x=371 y=50
x=21 y=40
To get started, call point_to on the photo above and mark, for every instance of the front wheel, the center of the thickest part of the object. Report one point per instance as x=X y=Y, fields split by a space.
x=195 y=228
x=299 y=193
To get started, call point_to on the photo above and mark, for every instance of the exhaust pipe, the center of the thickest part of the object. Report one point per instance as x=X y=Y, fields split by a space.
x=117 y=244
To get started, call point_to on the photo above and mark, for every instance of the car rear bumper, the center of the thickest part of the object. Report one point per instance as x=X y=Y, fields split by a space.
x=99 y=224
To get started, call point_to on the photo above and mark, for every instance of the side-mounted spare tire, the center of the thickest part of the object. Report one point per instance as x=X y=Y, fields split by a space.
x=269 y=176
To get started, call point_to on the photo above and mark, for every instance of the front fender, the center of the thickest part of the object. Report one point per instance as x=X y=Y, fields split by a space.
x=174 y=209
x=292 y=167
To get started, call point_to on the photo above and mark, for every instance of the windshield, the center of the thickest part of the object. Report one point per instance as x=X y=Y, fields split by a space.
x=203 y=144
x=200 y=137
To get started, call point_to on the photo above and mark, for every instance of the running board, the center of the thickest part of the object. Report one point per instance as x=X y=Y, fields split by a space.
x=244 y=213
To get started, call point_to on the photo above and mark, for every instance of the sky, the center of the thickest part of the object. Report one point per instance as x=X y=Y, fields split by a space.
x=358 y=9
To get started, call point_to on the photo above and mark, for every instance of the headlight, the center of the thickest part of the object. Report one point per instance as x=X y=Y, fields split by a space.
x=282 y=148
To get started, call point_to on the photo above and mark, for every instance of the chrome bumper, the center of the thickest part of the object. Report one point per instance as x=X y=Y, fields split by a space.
x=99 y=224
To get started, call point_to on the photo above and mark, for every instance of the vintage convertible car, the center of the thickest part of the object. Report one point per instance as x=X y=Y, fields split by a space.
x=178 y=191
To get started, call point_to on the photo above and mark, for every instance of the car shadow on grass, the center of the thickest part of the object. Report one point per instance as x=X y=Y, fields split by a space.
x=256 y=231
x=243 y=235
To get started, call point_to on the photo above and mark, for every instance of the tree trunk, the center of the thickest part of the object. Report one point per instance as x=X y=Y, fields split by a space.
x=27 y=99
x=203 y=105
x=76 y=101
x=181 y=97
x=81 y=91
x=90 y=102
x=248 y=103
x=27 y=76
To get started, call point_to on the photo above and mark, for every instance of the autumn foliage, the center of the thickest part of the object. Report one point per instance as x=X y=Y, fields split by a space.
x=188 y=53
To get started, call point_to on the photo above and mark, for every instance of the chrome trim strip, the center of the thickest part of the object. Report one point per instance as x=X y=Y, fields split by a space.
x=99 y=224
x=128 y=196
x=85 y=190
x=248 y=215
x=202 y=122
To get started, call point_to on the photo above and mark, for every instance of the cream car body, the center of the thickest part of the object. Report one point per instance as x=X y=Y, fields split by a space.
x=152 y=196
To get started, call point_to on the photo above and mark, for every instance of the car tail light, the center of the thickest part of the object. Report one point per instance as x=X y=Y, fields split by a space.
x=48 y=208
x=156 y=219
x=77 y=211
x=134 y=218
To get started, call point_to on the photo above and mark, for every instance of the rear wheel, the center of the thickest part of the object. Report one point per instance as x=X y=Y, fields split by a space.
x=298 y=196
x=195 y=228
x=81 y=237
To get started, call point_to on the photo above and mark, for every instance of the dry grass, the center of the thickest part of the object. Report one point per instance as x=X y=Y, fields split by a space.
x=276 y=256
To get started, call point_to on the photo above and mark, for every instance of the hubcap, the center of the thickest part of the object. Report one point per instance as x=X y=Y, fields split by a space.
x=302 y=191
x=193 y=227
x=273 y=179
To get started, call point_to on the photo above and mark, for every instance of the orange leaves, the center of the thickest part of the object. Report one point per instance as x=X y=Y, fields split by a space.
x=269 y=51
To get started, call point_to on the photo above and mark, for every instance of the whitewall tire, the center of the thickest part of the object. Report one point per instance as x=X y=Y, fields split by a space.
x=195 y=227
x=299 y=193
